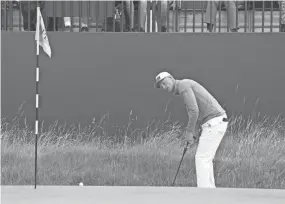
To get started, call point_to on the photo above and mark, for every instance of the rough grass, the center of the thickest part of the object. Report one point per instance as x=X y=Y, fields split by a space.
x=252 y=155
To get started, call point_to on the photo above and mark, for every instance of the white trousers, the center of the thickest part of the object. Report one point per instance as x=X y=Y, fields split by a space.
x=211 y=136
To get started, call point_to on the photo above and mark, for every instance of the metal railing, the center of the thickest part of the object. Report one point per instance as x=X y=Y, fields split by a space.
x=121 y=16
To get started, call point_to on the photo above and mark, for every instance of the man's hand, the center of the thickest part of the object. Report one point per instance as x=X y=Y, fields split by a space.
x=190 y=138
x=187 y=143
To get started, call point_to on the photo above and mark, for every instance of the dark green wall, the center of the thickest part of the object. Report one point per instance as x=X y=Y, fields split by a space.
x=91 y=74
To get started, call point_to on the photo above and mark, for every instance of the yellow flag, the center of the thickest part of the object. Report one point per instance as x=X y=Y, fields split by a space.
x=41 y=35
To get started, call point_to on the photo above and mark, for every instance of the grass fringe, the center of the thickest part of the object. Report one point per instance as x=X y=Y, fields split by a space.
x=252 y=154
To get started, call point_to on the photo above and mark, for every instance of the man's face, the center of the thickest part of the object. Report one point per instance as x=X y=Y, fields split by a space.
x=167 y=84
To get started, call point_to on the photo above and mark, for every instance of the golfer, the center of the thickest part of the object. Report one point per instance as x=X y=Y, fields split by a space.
x=201 y=106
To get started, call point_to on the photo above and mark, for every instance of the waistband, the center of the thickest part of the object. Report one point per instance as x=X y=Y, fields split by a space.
x=223 y=118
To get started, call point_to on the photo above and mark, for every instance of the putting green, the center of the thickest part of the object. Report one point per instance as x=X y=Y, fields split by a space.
x=149 y=195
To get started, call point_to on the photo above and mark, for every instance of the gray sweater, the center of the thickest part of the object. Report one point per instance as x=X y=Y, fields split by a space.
x=199 y=103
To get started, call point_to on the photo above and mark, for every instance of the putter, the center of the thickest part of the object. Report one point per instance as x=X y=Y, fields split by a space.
x=184 y=151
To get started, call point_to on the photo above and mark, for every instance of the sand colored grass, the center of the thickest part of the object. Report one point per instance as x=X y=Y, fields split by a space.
x=252 y=155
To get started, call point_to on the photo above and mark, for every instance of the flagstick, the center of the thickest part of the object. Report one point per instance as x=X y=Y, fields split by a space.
x=37 y=93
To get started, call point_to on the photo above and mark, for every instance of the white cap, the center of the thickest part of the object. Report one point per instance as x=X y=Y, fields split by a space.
x=160 y=77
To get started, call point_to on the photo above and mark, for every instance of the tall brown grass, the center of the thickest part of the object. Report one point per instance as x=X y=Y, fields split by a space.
x=251 y=155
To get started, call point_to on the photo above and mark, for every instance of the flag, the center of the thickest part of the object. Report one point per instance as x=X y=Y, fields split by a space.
x=42 y=40
x=41 y=35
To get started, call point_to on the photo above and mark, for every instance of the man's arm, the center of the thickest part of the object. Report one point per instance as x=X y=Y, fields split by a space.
x=192 y=110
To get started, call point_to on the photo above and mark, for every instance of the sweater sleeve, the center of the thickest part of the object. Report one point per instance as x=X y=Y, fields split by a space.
x=190 y=103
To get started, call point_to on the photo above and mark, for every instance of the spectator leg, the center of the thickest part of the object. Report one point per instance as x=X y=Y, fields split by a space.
x=163 y=15
x=25 y=19
x=282 y=8
x=231 y=7
x=84 y=26
x=25 y=13
x=51 y=21
x=49 y=24
x=67 y=22
x=210 y=15
x=129 y=14
x=142 y=13
x=33 y=20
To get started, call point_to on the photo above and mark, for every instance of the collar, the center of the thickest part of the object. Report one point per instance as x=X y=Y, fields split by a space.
x=175 y=90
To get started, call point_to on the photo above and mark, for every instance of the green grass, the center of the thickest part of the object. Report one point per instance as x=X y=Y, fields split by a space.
x=252 y=155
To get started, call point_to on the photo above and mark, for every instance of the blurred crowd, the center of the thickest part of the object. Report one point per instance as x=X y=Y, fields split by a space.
x=135 y=14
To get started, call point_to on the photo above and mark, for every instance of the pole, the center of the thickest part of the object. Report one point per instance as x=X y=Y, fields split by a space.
x=37 y=93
